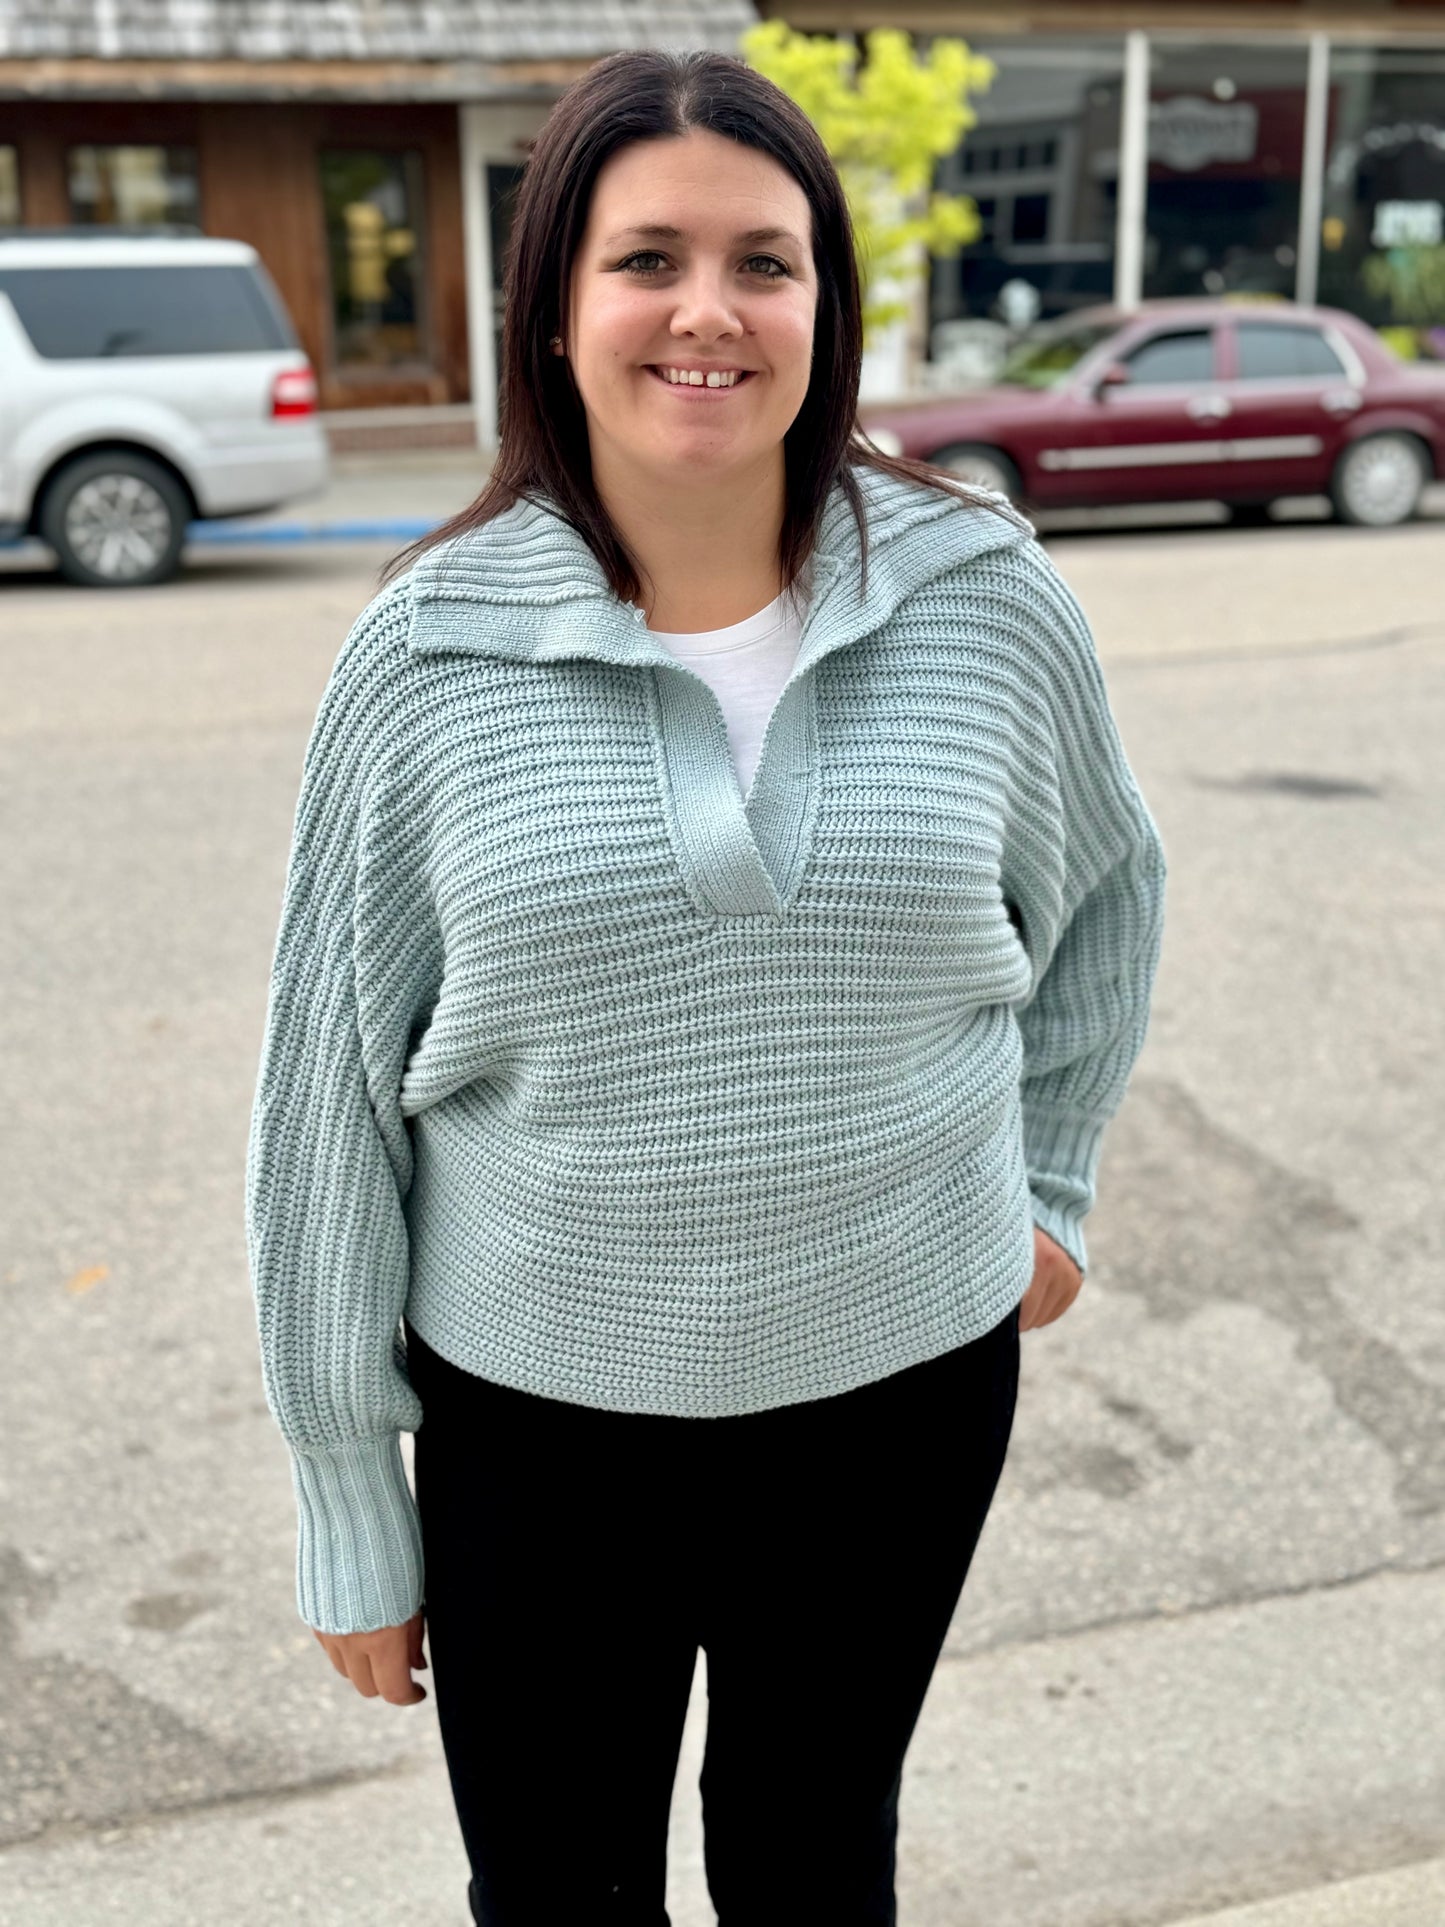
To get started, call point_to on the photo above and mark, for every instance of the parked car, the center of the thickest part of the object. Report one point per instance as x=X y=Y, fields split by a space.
x=146 y=379
x=1191 y=400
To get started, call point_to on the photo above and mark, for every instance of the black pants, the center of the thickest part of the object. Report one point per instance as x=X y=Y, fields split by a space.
x=577 y=1558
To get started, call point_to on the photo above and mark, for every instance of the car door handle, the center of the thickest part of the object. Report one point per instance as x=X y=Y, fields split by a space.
x=1341 y=401
x=1209 y=408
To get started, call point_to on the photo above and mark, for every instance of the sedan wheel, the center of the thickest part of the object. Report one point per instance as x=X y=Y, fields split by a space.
x=985 y=467
x=115 y=521
x=1378 y=481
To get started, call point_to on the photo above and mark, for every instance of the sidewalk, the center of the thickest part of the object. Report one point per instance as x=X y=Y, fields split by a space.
x=397 y=497
x=371 y=498
x=1406 y=1897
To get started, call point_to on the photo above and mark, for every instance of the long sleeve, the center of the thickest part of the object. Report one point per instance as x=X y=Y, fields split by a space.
x=329 y=1156
x=1085 y=866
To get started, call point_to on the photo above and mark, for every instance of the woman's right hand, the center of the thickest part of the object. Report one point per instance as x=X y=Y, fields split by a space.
x=380 y=1663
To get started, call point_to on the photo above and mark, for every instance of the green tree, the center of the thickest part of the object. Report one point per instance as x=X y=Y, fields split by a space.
x=885 y=128
x=1411 y=280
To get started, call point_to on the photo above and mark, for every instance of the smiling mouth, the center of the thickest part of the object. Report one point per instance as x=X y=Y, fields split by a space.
x=701 y=387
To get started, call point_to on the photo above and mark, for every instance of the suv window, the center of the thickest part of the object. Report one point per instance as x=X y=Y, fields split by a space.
x=73 y=314
x=1270 y=352
x=1187 y=356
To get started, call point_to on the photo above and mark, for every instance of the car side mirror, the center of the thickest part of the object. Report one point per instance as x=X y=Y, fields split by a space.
x=1116 y=375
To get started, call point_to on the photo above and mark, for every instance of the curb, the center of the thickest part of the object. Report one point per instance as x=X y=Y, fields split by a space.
x=1412 y=1895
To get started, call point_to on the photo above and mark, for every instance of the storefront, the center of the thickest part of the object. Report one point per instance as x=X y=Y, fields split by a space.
x=1128 y=151
x=355 y=208
x=369 y=154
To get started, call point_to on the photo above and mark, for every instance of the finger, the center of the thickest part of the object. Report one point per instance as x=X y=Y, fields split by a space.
x=417 y=1658
x=393 y=1676
x=358 y=1667
x=332 y=1652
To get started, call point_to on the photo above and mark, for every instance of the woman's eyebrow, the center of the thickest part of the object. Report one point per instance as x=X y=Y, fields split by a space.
x=656 y=231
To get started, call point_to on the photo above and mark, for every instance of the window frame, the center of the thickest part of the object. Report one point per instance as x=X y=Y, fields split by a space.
x=1209 y=329
x=72 y=148
x=426 y=364
x=1352 y=369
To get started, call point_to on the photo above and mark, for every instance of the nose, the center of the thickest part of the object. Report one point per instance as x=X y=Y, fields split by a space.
x=704 y=305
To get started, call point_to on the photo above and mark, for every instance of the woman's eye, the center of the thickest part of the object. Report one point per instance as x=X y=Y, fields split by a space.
x=650 y=254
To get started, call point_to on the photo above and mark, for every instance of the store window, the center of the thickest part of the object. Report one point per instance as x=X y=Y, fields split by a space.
x=1226 y=149
x=9 y=187
x=133 y=186
x=373 y=205
x=1382 y=237
x=1042 y=166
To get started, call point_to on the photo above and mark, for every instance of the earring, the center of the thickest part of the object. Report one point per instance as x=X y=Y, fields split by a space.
x=556 y=341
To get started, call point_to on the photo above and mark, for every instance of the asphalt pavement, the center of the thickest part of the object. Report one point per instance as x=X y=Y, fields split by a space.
x=1195 y=1675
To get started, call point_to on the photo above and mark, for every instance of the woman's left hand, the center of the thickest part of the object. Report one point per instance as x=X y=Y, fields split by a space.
x=1055 y=1284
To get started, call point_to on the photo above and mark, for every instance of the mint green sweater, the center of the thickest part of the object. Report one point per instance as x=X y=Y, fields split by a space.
x=634 y=1094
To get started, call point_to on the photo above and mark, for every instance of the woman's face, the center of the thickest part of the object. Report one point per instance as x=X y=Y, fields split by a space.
x=729 y=287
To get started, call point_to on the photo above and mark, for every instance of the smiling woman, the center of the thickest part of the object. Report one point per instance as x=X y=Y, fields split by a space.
x=708 y=962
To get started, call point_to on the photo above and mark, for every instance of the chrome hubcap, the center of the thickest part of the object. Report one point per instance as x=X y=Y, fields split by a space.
x=118 y=525
x=1382 y=480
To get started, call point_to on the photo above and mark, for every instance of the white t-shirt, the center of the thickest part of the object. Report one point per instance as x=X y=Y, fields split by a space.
x=746 y=665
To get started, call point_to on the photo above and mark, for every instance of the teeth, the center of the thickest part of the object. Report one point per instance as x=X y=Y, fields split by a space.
x=694 y=377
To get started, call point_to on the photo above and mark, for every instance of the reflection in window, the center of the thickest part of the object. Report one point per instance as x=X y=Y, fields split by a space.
x=1226 y=152
x=1276 y=353
x=133 y=186
x=373 y=205
x=1382 y=239
x=9 y=187
x=1051 y=351
x=1042 y=164
x=1173 y=358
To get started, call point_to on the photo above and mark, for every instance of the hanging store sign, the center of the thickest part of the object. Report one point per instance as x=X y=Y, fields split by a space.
x=1408 y=224
x=1188 y=132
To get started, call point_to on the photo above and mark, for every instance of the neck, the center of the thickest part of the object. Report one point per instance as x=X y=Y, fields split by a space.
x=707 y=554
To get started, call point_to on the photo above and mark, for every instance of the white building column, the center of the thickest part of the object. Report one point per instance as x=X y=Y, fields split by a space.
x=1133 y=174
x=491 y=133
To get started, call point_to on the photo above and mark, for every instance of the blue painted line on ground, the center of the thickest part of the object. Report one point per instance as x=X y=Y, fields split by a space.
x=391 y=529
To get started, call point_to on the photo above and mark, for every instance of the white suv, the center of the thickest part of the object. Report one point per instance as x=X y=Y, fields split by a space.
x=145 y=380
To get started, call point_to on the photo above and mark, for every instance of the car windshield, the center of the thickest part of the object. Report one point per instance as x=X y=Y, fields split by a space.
x=1042 y=359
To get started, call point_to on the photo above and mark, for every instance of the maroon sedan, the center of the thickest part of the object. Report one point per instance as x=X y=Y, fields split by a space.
x=1192 y=401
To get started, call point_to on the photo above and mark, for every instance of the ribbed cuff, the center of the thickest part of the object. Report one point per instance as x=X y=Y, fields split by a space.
x=358 y=1548
x=1061 y=1151
x=1063 y=1229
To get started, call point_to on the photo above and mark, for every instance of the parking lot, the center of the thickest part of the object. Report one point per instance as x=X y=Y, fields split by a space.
x=1197 y=1662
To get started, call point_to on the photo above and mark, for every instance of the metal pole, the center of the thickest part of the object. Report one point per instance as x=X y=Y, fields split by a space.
x=1312 y=171
x=1133 y=173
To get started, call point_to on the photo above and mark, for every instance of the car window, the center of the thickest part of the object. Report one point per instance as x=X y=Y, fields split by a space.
x=1045 y=356
x=1270 y=352
x=85 y=313
x=1186 y=356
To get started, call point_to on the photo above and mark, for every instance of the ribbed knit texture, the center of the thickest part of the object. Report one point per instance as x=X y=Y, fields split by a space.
x=633 y=1095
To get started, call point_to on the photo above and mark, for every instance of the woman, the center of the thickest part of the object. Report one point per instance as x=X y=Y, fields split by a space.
x=713 y=1104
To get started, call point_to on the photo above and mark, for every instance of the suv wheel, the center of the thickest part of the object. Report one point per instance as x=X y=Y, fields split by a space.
x=1378 y=481
x=115 y=521
x=985 y=467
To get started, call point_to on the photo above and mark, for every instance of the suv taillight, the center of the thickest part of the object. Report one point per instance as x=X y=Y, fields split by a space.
x=293 y=392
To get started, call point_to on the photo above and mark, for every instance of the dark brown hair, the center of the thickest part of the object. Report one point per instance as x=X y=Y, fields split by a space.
x=656 y=95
